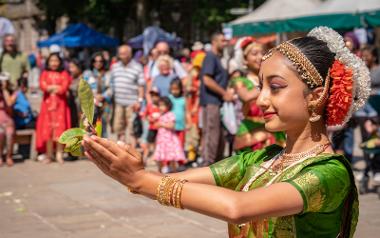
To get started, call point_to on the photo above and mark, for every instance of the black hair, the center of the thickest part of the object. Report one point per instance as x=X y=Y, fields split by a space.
x=78 y=63
x=22 y=81
x=97 y=54
x=60 y=67
x=178 y=82
x=317 y=52
x=167 y=102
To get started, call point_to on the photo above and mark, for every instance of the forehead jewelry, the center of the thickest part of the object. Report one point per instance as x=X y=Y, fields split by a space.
x=304 y=67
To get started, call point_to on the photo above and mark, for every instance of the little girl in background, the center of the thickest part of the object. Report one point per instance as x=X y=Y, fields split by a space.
x=169 y=150
x=179 y=108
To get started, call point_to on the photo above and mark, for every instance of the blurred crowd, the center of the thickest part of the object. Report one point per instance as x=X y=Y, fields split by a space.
x=181 y=109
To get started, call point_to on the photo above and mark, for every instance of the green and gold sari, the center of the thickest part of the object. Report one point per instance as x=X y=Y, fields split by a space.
x=325 y=183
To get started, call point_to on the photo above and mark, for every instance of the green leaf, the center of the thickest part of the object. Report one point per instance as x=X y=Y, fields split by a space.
x=86 y=99
x=69 y=136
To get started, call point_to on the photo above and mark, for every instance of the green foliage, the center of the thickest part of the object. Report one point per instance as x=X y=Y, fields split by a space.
x=86 y=99
x=72 y=138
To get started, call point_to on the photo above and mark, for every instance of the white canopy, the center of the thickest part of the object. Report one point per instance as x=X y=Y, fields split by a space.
x=344 y=6
x=273 y=10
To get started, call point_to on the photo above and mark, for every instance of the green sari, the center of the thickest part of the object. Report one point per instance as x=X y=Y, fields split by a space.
x=325 y=183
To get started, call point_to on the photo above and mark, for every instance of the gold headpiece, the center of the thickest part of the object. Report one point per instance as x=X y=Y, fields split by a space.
x=305 y=68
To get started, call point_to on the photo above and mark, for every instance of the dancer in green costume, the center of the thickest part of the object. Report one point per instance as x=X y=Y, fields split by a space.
x=251 y=134
x=301 y=190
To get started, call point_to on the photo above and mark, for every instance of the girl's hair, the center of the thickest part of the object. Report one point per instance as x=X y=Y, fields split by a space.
x=78 y=63
x=165 y=59
x=317 y=52
x=167 y=102
x=97 y=54
x=178 y=82
x=60 y=67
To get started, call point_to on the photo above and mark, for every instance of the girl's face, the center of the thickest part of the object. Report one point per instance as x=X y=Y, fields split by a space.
x=175 y=90
x=74 y=70
x=54 y=63
x=254 y=56
x=155 y=98
x=163 y=108
x=98 y=63
x=164 y=68
x=283 y=97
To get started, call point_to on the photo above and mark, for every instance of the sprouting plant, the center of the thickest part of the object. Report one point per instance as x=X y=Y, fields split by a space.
x=73 y=137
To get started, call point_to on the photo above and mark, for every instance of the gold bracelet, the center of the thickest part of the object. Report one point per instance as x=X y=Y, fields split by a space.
x=168 y=190
x=179 y=194
x=160 y=189
x=174 y=193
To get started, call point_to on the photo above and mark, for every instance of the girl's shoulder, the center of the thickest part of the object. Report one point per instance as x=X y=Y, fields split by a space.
x=168 y=116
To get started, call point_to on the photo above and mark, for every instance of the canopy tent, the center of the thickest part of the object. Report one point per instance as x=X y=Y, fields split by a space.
x=79 y=35
x=338 y=14
x=151 y=36
x=268 y=17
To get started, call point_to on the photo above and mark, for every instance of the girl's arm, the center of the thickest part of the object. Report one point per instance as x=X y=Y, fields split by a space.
x=279 y=199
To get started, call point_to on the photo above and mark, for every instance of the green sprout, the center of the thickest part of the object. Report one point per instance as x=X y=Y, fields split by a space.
x=73 y=137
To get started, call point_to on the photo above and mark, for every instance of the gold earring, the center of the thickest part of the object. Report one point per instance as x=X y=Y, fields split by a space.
x=314 y=117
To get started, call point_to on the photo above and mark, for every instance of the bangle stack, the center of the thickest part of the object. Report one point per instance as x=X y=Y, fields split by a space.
x=169 y=191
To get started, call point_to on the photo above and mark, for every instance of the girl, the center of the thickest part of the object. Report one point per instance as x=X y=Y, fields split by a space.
x=168 y=147
x=301 y=190
x=179 y=107
x=54 y=117
x=251 y=134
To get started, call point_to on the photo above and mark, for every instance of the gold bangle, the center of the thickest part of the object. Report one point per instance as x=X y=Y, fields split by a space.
x=174 y=193
x=160 y=189
x=179 y=194
x=168 y=190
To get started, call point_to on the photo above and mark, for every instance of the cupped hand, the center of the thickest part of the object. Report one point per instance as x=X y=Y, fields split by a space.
x=117 y=160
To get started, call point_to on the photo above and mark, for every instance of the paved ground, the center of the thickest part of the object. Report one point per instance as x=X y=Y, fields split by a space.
x=76 y=200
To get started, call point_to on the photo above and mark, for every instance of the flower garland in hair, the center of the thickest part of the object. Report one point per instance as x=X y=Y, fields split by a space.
x=340 y=101
x=360 y=79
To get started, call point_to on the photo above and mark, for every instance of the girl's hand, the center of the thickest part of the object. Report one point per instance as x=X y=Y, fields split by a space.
x=119 y=161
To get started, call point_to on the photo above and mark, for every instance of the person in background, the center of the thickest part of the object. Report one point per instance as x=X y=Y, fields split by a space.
x=99 y=80
x=163 y=80
x=54 y=117
x=163 y=48
x=251 y=134
x=34 y=75
x=13 y=61
x=168 y=150
x=192 y=138
x=127 y=83
x=179 y=108
x=214 y=81
x=371 y=59
x=151 y=115
x=22 y=111
x=76 y=72
x=7 y=126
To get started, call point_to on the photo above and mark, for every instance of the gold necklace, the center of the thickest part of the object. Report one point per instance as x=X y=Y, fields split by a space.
x=287 y=159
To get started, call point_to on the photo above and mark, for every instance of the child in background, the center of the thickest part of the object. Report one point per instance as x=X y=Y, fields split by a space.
x=179 y=108
x=152 y=113
x=169 y=150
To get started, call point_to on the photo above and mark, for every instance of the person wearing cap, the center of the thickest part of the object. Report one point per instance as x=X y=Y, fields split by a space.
x=13 y=61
